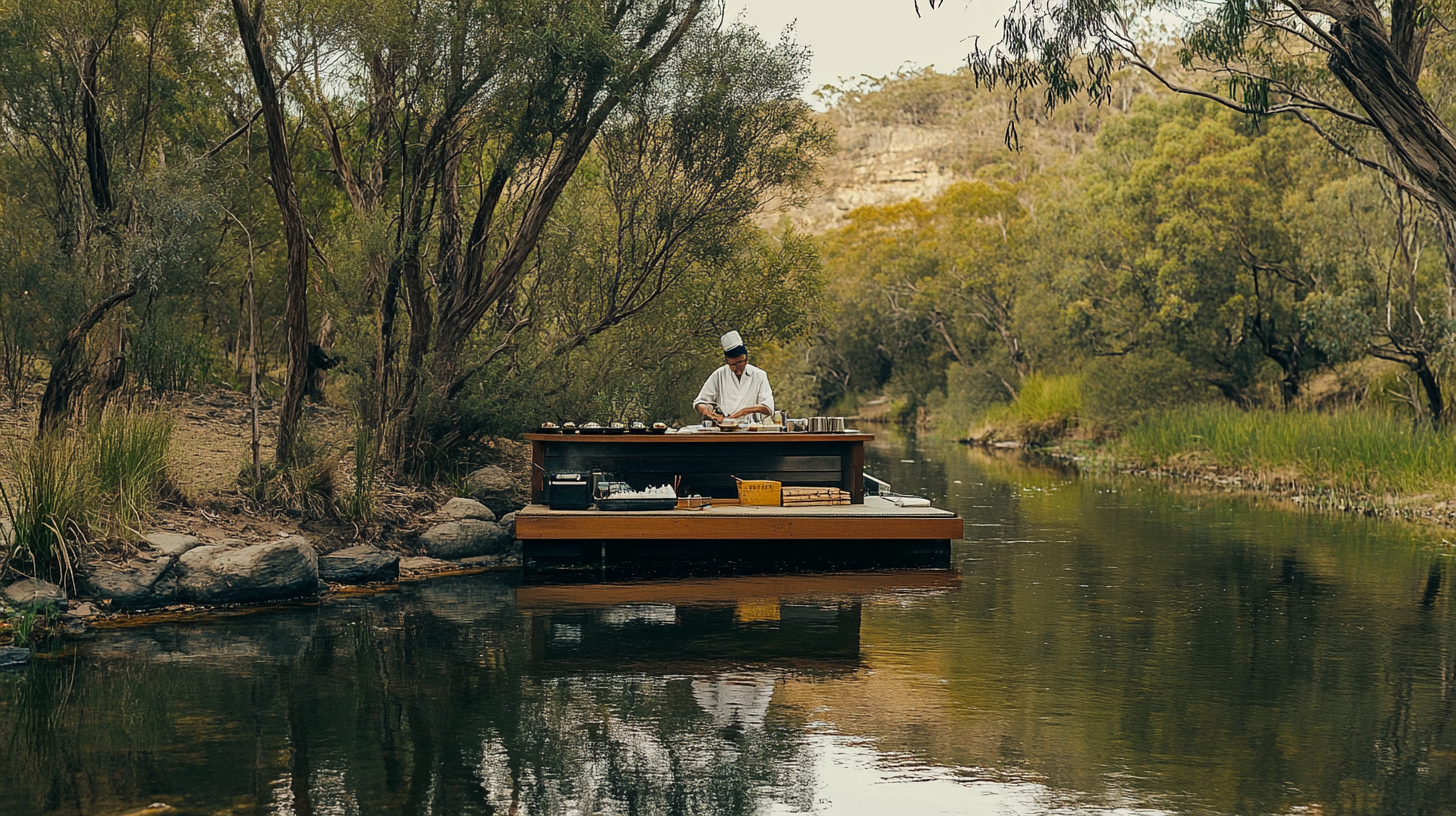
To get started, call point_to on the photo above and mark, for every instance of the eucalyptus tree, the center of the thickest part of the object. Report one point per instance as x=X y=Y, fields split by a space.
x=457 y=128
x=91 y=102
x=1350 y=70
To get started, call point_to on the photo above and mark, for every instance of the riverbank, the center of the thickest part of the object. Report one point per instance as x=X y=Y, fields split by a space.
x=211 y=545
x=1367 y=462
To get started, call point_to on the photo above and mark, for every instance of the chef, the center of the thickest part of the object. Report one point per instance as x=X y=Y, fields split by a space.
x=737 y=390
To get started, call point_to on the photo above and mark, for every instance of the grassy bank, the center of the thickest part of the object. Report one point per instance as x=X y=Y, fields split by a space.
x=1368 y=452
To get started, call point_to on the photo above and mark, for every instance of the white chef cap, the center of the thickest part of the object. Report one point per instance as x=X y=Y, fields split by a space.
x=732 y=344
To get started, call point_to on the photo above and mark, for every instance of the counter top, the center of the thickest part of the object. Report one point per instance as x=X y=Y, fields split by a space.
x=730 y=436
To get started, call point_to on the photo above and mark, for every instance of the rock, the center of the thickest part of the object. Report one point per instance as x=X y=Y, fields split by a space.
x=462 y=539
x=494 y=488
x=508 y=521
x=138 y=585
x=510 y=557
x=33 y=593
x=173 y=544
x=359 y=565
x=83 y=610
x=286 y=568
x=458 y=508
x=420 y=565
x=13 y=657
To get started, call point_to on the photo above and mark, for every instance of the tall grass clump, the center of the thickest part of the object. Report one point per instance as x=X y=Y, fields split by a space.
x=52 y=508
x=304 y=484
x=1365 y=450
x=1045 y=408
x=360 y=503
x=128 y=452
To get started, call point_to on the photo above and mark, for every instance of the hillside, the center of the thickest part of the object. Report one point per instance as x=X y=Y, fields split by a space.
x=915 y=134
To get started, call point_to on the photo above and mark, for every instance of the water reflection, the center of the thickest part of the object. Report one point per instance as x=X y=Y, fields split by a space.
x=1097 y=646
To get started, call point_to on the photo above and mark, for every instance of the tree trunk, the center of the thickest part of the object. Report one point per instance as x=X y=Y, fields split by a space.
x=55 y=405
x=295 y=316
x=98 y=167
x=1371 y=70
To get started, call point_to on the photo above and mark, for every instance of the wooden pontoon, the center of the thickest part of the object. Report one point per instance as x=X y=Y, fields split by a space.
x=706 y=464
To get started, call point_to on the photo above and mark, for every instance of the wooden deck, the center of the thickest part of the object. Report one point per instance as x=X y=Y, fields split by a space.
x=876 y=519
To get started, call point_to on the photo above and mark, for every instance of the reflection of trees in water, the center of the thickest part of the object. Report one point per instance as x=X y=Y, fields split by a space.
x=386 y=706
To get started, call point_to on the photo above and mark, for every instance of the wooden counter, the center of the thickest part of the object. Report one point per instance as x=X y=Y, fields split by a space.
x=707 y=462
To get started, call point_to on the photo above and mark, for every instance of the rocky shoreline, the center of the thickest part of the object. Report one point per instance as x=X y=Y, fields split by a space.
x=171 y=571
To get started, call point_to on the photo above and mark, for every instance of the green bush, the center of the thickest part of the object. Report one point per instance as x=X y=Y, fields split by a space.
x=52 y=509
x=167 y=356
x=1118 y=391
x=128 y=452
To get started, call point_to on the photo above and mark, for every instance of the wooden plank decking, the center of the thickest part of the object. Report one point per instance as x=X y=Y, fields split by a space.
x=876 y=519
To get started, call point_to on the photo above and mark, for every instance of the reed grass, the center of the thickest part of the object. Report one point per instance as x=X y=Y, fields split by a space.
x=128 y=452
x=52 y=509
x=1044 y=409
x=1363 y=450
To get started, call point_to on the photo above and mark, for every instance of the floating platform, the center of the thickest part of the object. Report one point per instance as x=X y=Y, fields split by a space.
x=877 y=519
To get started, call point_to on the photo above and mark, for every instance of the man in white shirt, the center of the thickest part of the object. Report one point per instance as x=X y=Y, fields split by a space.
x=737 y=390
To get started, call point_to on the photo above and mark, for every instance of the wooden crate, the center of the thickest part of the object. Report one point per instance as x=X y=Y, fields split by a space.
x=813 y=496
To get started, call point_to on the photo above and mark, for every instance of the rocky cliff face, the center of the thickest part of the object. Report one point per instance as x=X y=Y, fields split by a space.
x=913 y=136
x=878 y=165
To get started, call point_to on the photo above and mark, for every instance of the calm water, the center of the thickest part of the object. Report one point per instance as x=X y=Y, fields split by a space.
x=1095 y=647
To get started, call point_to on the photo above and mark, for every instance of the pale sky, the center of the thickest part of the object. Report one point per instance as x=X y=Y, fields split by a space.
x=876 y=37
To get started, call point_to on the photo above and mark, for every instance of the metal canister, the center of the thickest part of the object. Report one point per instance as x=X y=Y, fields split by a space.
x=818 y=424
x=836 y=424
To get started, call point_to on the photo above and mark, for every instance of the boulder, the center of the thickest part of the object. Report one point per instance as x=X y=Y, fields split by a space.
x=420 y=565
x=494 y=488
x=138 y=585
x=13 y=657
x=508 y=521
x=458 y=508
x=286 y=568
x=173 y=544
x=454 y=540
x=33 y=593
x=511 y=556
x=83 y=610
x=359 y=565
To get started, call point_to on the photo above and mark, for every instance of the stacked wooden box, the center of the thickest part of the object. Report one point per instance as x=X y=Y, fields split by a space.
x=814 y=496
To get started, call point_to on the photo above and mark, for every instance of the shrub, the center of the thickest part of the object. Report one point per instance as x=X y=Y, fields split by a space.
x=1118 y=391
x=304 y=485
x=52 y=509
x=128 y=452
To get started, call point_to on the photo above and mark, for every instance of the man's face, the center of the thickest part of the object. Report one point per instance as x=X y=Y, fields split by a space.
x=737 y=364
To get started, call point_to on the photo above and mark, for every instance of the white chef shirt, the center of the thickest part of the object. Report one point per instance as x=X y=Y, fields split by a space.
x=731 y=392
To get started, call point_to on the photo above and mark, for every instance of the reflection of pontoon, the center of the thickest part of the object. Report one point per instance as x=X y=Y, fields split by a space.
x=712 y=627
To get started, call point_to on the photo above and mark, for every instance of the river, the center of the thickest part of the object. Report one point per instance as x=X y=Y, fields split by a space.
x=1094 y=646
